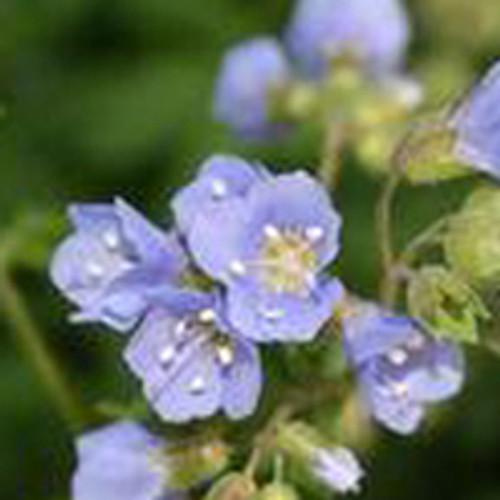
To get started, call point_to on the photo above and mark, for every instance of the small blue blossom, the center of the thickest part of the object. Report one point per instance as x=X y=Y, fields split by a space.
x=402 y=370
x=220 y=178
x=112 y=260
x=477 y=123
x=122 y=461
x=270 y=249
x=250 y=72
x=338 y=468
x=191 y=363
x=322 y=29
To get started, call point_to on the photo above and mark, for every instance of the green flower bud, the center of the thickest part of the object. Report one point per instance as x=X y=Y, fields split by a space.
x=472 y=242
x=195 y=463
x=428 y=156
x=299 y=440
x=234 y=486
x=277 y=491
x=445 y=304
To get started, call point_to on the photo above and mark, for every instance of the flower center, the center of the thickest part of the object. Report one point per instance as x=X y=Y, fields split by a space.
x=288 y=260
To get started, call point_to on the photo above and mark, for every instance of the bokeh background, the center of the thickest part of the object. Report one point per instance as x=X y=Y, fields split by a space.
x=113 y=97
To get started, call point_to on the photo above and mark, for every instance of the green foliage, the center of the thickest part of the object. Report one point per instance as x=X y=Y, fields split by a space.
x=447 y=305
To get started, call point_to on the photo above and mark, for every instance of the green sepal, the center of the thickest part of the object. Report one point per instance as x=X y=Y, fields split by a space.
x=233 y=486
x=427 y=155
x=446 y=304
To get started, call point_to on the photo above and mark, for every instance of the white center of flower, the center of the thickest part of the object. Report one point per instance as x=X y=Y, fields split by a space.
x=288 y=259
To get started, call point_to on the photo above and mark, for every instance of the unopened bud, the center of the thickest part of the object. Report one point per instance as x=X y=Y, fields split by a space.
x=192 y=464
x=446 y=304
x=277 y=491
x=234 y=486
x=472 y=242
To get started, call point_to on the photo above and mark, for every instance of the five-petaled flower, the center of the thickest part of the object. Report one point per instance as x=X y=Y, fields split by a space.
x=122 y=461
x=477 y=125
x=191 y=362
x=270 y=248
x=402 y=370
x=112 y=261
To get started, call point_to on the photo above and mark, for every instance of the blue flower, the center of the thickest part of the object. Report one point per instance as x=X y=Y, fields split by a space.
x=112 y=260
x=322 y=29
x=250 y=72
x=190 y=361
x=270 y=248
x=338 y=468
x=402 y=370
x=477 y=123
x=220 y=178
x=122 y=461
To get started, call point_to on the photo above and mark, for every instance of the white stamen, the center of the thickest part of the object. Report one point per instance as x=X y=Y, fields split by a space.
x=237 y=268
x=397 y=356
x=273 y=314
x=219 y=188
x=314 y=233
x=167 y=355
x=400 y=389
x=207 y=316
x=95 y=269
x=111 y=240
x=180 y=329
x=416 y=342
x=197 y=385
x=225 y=353
x=271 y=232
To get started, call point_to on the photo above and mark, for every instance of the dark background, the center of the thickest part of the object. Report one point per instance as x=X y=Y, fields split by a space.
x=108 y=97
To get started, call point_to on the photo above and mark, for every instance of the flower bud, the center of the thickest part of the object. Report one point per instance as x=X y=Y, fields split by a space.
x=192 y=464
x=446 y=305
x=234 y=486
x=472 y=242
x=277 y=491
x=428 y=155
x=335 y=466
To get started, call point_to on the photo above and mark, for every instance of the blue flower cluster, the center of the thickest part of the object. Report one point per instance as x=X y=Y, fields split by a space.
x=248 y=261
x=320 y=30
x=261 y=241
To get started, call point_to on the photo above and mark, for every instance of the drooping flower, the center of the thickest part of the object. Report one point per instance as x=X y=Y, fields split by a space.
x=338 y=468
x=402 y=370
x=250 y=73
x=322 y=29
x=114 y=257
x=270 y=249
x=190 y=361
x=220 y=178
x=477 y=124
x=122 y=461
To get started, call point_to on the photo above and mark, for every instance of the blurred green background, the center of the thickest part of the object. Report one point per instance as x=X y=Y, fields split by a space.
x=114 y=98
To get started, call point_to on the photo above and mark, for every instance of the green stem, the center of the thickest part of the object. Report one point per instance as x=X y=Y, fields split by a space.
x=388 y=285
x=426 y=238
x=30 y=342
x=331 y=159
